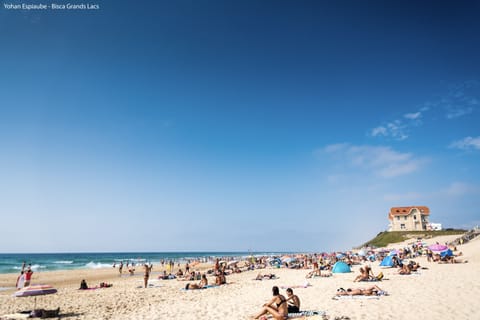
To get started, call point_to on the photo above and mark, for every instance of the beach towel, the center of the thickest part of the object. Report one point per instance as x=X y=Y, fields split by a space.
x=370 y=280
x=150 y=285
x=306 y=285
x=273 y=278
x=358 y=297
x=15 y=316
x=306 y=313
x=206 y=287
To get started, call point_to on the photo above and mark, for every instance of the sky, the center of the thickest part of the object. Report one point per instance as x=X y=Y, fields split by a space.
x=235 y=125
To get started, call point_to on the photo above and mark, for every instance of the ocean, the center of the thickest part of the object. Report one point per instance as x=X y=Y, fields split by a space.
x=12 y=262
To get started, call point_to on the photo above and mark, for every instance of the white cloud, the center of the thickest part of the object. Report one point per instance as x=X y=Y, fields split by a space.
x=395 y=130
x=466 y=143
x=457 y=189
x=382 y=161
x=398 y=129
x=461 y=100
x=335 y=147
x=456 y=111
x=413 y=116
x=379 y=131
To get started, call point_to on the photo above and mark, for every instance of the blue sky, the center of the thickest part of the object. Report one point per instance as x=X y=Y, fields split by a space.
x=235 y=125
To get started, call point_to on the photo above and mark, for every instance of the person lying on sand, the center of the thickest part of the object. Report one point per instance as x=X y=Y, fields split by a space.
x=451 y=259
x=414 y=266
x=370 y=291
x=266 y=276
x=405 y=270
x=277 y=306
x=202 y=284
x=188 y=277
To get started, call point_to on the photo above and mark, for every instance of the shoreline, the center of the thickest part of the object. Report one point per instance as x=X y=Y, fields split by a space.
x=46 y=262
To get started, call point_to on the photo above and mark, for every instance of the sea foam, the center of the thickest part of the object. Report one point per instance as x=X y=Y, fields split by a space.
x=97 y=265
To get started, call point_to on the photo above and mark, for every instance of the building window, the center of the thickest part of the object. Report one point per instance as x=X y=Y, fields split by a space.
x=405 y=218
x=414 y=217
x=402 y=226
x=398 y=218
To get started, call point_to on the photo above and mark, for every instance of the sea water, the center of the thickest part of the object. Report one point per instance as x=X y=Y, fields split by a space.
x=39 y=262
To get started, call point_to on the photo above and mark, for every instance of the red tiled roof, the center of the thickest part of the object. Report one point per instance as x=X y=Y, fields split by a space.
x=403 y=211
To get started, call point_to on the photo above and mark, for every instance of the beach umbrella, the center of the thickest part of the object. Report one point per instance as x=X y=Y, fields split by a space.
x=289 y=259
x=232 y=262
x=438 y=247
x=35 y=290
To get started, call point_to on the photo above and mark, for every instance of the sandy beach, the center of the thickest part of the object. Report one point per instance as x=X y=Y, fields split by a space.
x=443 y=291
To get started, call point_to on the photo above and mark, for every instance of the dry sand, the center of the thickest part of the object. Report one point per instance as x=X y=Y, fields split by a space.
x=444 y=291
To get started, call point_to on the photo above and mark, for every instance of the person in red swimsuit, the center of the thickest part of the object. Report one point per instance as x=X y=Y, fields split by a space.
x=28 y=277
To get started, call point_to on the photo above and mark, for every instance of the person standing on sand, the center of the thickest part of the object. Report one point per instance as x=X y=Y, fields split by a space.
x=20 y=280
x=28 y=277
x=120 y=267
x=146 y=274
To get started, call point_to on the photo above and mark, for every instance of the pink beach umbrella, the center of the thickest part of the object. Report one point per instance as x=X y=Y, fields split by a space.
x=35 y=290
x=438 y=247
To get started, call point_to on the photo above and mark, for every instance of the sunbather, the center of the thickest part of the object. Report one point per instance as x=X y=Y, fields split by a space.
x=220 y=278
x=405 y=270
x=277 y=306
x=365 y=274
x=201 y=285
x=293 y=302
x=83 y=285
x=265 y=276
x=370 y=291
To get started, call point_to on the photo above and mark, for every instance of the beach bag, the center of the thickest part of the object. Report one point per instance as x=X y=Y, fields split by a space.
x=380 y=276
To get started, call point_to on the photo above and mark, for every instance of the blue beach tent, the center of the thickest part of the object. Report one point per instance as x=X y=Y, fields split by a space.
x=387 y=262
x=341 y=267
x=446 y=253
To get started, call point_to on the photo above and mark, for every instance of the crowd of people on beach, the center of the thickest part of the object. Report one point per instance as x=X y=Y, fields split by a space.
x=315 y=265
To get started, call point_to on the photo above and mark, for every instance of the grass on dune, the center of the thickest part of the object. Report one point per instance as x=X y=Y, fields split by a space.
x=385 y=238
